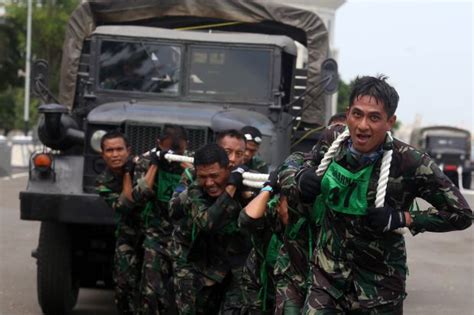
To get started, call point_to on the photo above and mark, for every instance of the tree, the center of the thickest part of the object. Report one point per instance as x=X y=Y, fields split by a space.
x=49 y=20
x=7 y=111
x=343 y=93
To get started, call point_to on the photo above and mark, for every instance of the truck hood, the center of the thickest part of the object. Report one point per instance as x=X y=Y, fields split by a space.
x=216 y=117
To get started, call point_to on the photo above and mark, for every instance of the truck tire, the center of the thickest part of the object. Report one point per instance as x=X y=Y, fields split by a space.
x=57 y=288
x=466 y=180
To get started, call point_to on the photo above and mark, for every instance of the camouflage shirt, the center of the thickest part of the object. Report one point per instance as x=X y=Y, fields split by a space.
x=109 y=186
x=155 y=209
x=354 y=258
x=257 y=164
x=207 y=235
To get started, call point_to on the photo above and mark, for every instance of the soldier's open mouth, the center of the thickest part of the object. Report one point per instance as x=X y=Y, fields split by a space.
x=362 y=138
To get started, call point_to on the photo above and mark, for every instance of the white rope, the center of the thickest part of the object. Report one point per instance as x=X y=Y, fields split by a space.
x=254 y=180
x=327 y=159
x=383 y=177
x=253 y=184
x=256 y=176
x=384 y=169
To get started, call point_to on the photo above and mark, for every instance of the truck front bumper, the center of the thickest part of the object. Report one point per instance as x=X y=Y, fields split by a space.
x=82 y=208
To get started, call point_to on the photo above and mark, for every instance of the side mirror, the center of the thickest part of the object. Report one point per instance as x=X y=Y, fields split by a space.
x=329 y=76
x=39 y=81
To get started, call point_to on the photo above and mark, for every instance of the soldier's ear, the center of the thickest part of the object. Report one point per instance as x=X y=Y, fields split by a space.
x=129 y=150
x=391 y=121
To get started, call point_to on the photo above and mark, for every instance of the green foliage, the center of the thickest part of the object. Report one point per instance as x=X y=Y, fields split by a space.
x=343 y=94
x=7 y=111
x=10 y=58
x=49 y=20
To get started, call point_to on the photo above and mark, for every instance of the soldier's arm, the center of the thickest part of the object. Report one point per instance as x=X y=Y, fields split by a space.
x=251 y=218
x=287 y=171
x=187 y=177
x=144 y=176
x=451 y=211
x=215 y=216
x=177 y=209
x=116 y=200
x=127 y=186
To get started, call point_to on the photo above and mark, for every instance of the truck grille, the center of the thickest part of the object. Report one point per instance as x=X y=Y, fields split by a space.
x=143 y=138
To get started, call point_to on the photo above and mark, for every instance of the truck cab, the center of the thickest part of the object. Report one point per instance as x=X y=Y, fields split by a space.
x=450 y=147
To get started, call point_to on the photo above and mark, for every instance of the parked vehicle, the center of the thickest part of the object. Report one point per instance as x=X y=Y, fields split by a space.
x=450 y=147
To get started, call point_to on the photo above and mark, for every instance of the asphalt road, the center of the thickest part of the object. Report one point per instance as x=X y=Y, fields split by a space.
x=441 y=279
x=18 y=268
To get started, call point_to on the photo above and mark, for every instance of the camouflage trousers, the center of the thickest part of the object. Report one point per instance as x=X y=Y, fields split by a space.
x=259 y=297
x=197 y=294
x=291 y=272
x=127 y=265
x=320 y=301
x=156 y=292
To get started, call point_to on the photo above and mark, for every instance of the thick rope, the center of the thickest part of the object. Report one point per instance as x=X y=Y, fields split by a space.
x=383 y=177
x=331 y=153
x=384 y=169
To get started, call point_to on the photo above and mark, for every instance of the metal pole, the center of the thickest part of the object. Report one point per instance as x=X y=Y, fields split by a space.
x=26 y=112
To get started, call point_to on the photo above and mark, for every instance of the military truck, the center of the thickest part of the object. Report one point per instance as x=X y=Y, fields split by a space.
x=451 y=149
x=135 y=66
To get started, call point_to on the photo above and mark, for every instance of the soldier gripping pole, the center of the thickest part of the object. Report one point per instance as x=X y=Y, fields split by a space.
x=254 y=180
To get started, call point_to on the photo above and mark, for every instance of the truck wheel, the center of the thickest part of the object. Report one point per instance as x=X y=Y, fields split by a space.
x=466 y=180
x=57 y=288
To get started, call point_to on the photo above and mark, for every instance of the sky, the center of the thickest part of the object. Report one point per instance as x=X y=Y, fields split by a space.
x=424 y=47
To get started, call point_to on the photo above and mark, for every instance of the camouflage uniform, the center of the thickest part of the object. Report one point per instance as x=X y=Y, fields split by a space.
x=209 y=252
x=291 y=269
x=257 y=164
x=128 y=253
x=156 y=294
x=285 y=279
x=257 y=279
x=356 y=267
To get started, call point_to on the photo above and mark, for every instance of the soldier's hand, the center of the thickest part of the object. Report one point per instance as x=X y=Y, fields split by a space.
x=385 y=218
x=129 y=166
x=272 y=185
x=236 y=176
x=309 y=184
x=157 y=157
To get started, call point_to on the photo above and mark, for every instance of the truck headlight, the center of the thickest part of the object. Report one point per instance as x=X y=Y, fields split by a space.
x=95 y=140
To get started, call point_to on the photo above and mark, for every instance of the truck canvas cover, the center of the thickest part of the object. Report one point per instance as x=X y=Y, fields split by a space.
x=238 y=16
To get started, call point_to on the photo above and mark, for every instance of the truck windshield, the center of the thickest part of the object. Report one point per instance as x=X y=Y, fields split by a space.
x=444 y=143
x=139 y=66
x=230 y=73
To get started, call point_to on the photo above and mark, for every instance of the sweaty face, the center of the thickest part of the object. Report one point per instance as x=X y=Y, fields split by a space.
x=212 y=178
x=251 y=148
x=368 y=123
x=115 y=153
x=235 y=149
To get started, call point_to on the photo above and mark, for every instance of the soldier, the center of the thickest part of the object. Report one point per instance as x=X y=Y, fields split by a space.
x=337 y=119
x=156 y=179
x=209 y=248
x=360 y=262
x=252 y=160
x=115 y=186
x=233 y=143
x=282 y=242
